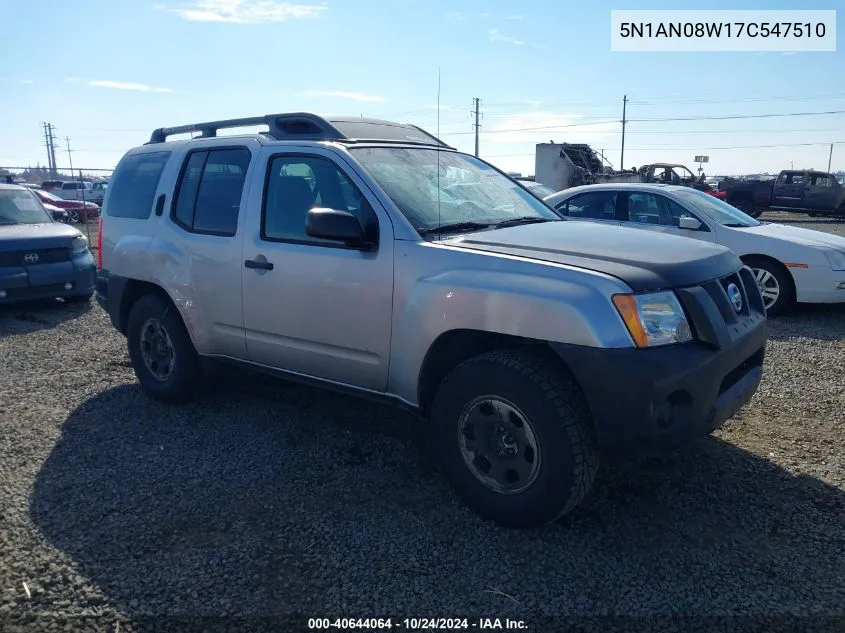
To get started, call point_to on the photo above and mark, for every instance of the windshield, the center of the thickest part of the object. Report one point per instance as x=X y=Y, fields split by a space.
x=539 y=190
x=715 y=209
x=46 y=195
x=21 y=207
x=470 y=191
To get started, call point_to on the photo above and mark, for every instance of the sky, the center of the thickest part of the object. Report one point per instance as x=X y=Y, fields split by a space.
x=106 y=73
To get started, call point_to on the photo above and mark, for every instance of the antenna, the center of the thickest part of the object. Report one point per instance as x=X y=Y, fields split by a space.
x=438 y=153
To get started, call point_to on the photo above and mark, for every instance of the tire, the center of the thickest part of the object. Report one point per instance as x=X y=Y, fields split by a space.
x=563 y=461
x=83 y=298
x=72 y=216
x=151 y=315
x=747 y=206
x=774 y=276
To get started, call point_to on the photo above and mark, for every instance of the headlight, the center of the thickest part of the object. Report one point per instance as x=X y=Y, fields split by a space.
x=654 y=319
x=79 y=244
x=836 y=258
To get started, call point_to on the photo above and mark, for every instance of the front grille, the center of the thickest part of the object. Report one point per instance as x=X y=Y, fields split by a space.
x=44 y=255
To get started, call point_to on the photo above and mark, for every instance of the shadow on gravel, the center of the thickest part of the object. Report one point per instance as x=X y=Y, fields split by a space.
x=820 y=321
x=25 y=317
x=276 y=499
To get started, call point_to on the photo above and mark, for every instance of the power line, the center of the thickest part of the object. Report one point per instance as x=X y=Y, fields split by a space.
x=739 y=116
x=685 y=148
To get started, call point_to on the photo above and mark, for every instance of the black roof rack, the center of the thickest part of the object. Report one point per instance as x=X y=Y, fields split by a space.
x=311 y=127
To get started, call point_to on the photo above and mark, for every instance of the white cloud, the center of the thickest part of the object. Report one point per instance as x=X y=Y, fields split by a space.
x=27 y=81
x=246 y=11
x=124 y=85
x=514 y=17
x=456 y=17
x=496 y=36
x=539 y=127
x=339 y=94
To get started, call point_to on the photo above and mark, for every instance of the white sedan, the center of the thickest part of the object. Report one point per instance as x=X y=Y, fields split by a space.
x=790 y=263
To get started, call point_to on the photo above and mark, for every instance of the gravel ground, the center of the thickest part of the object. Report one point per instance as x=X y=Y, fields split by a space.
x=270 y=499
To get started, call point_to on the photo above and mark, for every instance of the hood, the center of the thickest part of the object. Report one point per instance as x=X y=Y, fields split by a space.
x=25 y=236
x=642 y=259
x=797 y=235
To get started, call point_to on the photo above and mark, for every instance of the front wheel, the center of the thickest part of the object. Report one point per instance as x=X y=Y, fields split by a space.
x=160 y=349
x=72 y=216
x=774 y=283
x=513 y=435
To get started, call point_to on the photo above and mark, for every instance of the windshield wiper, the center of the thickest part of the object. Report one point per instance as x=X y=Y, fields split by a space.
x=736 y=225
x=455 y=227
x=527 y=219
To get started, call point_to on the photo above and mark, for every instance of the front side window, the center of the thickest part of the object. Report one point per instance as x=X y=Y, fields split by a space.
x=21 y=207
x=595 y=205
x=297 y=184
x=208 y=198
x=435 y=188
x=649 y=208
x=134 y=185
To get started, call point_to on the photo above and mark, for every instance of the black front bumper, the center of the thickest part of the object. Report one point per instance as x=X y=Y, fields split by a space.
x=667 y=395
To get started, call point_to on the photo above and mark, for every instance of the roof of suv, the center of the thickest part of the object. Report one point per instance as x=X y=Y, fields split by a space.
x=304 y=126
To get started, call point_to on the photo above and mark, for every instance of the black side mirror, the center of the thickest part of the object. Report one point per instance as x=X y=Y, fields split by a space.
x=334 y=224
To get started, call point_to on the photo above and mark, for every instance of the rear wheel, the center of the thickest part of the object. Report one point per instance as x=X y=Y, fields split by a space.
x=160 y=349
x=775 y=284
x=514 y=437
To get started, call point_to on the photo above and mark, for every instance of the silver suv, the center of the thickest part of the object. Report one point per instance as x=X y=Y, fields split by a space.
x=368 y=256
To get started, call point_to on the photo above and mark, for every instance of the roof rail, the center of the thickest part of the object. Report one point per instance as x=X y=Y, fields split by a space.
x=312 y=127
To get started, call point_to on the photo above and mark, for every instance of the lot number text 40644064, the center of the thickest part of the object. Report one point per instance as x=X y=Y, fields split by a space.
x=417 y=624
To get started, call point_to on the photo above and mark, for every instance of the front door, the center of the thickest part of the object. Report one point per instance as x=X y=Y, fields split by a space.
x=646 y=210
x=313 y=306
x=788 y=191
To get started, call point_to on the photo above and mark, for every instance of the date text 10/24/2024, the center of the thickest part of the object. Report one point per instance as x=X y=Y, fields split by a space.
x=417 y=624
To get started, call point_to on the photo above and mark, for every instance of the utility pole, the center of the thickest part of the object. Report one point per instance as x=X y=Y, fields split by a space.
x=69 y=158
x=829 y=158
x=476 y=125
x=49 y=147
x=624 y=121
x=52 y=129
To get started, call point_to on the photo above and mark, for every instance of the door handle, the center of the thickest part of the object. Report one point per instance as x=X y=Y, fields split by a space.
x=254 y=263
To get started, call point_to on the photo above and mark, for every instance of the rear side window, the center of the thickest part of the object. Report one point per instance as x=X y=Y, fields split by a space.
x=208 y=197
x=595 y=205
x=134 y=185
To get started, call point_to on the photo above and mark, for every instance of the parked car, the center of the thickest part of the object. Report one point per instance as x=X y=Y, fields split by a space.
x=51 y=185
x=803 y=191
x=59 y=215
x=530 y=343
x=539 y=190
x=75 y=190
x=78 y=211
x=39 y=257
x=98 y=192
x=790 y=263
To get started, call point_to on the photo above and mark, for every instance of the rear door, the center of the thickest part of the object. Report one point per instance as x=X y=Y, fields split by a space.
x=788 y=191
x=821 y=192
x=591 y=206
